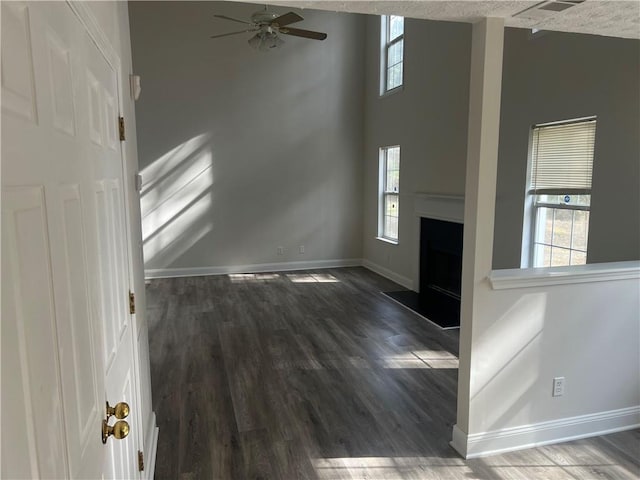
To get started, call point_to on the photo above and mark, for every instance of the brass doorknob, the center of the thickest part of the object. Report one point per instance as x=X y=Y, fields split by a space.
x=119 y=430
x=120 y=411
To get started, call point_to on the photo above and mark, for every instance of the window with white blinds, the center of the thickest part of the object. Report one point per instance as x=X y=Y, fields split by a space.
x=559 y=193
x=562 y=157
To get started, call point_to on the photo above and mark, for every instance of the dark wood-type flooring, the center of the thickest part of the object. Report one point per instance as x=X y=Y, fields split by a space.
x=316 y=375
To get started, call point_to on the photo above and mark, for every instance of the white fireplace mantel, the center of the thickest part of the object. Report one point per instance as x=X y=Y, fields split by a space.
x=441 y=207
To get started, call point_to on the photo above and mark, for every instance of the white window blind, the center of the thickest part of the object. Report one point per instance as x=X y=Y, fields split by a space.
x=562 y=157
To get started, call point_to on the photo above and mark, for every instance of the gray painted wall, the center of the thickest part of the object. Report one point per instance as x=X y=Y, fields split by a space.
x=284 y=135
x=257 y=150
x=428 y=119
x=562 y=76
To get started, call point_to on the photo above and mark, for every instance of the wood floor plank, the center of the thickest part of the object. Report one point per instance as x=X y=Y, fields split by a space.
x=316 y=375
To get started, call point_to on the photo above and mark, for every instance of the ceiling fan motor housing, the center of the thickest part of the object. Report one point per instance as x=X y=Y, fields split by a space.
x=263 y=17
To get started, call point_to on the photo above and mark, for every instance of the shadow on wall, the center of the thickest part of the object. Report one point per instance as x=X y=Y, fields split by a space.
x=175 y=200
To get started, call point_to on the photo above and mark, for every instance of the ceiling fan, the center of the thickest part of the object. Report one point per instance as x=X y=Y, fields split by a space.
x=268 y=26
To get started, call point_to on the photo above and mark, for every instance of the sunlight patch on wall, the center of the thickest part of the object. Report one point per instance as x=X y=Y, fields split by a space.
x=176 y=200
x=169 y=206
x=175 y=180
x=506 y=355
x=171 y=160
x=180 y=234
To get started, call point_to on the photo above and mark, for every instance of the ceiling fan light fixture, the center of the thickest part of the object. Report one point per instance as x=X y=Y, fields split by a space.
x=255 y=41
x=273 y=41
x=265 y=41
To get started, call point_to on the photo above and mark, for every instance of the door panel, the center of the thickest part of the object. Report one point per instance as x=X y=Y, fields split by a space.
x=77 y=336
x=67 y=345
x=26 y=267
x=61 y=84
x=18 y=95
x=105 y=257
x=95 y=117
x=121 y=321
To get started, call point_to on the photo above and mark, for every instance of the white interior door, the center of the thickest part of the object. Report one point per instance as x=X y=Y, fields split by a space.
x=67 y=340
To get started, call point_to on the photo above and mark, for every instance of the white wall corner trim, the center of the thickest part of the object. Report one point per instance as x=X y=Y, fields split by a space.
x=540 y=277
x=441 y=207
x=544 y=433
x=391 y=275
x=150 y=460
x=254 y=268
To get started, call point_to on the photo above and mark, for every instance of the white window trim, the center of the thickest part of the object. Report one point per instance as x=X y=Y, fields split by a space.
x=387 y=240
x=569 y=275
x=382 y=173
x=529 y=227
x=384 y=46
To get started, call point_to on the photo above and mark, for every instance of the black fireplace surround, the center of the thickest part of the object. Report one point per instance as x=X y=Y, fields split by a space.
x=440 y=271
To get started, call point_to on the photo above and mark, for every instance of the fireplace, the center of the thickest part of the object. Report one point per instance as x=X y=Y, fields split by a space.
x=438 y=233
x=440 y=271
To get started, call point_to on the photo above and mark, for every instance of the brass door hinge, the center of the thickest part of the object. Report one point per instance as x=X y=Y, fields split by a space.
x=132 y=303
x=140 y=461
x=121 y=128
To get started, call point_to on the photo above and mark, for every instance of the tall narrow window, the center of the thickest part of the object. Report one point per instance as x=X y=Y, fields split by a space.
x=559 y=195
x=389 y=193
x=392 y=54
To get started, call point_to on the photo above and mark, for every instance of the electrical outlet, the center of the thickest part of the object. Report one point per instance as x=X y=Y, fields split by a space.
x=301 y=249
x=280 y=250
x=558 y=386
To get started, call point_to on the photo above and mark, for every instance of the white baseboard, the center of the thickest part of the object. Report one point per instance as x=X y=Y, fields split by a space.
x=459 y=441
x=544 y=433
x=391 y=275
x=278 y=267
x=255 y=268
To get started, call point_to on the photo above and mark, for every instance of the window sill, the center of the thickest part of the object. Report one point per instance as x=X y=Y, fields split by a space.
x=542 y=277
x=386 y=240
x=393 y=91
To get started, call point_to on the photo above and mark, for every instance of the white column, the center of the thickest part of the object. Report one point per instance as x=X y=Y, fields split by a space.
x=480 y=190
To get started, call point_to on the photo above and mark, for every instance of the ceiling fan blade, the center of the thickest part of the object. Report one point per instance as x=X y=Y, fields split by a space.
x=232 y=19
x=287 y=19
x=297 y=32
x=234 y=33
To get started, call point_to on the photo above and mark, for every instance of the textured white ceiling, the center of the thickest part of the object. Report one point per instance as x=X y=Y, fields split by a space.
x=613 y=18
